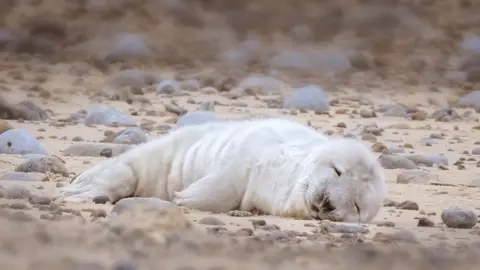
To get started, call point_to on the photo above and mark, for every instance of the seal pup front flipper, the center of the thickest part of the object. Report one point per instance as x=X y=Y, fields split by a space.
x=113 y=178
x=211 y=193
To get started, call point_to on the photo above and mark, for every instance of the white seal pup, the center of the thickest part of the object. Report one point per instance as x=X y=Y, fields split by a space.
x=276 y=166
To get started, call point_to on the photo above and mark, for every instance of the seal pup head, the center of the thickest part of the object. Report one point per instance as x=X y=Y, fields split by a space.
x=348 y=183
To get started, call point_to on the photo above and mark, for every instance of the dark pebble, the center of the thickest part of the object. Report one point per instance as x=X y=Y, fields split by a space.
x=41 y=200
x=101 y=199
x=124 y=265
x=425 y=222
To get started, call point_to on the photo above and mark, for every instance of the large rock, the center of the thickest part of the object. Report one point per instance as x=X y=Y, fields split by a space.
x=309 y=97
x=20 y=142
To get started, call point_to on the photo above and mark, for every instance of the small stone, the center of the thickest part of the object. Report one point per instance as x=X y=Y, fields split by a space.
x=43 y=165
x=347 y=228
x=18 y=206
x=386 y=224
x=124 y=265
x=416 y=176
x=98 y=213
x=107 y=152
x=367 y=114
x=258 y=223
x=392 y=161
x=408 y=205
x=211 y=221
x=17 y=192
x=41 y=200
x=101 y=199
x=379 y=147
x=406 y=236
x=459 y=217
x=425 y=222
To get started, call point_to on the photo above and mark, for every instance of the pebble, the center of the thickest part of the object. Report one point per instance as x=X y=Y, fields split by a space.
x=124 y=265
x=101 y=199
x=4 y=126
x=43 y=165
x=168 y=87
x=196 y=118
x=310 y=97
x=459 y=217
x=408 y=205
x=128 y=204
x=131 y=135
x=416 y=176
x=21 y=176
x=262 y=85
x=211 y=221
x=238 y=213
x=425 y=222
x=103 y=115
x=41 y=200
x=95 y=149
x=393 y=161
x=347 y=228
x=476 y=151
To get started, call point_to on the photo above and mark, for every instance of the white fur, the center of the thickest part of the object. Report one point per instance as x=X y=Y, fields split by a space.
x=274 y=165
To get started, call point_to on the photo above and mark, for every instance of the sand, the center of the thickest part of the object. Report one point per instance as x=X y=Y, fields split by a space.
x=74 y=71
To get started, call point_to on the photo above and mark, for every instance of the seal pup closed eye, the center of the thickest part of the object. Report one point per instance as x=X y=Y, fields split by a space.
x=277 y=166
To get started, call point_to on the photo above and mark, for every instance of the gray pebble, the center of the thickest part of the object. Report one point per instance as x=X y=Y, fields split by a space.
x=476 y=151
x=131 y=135
x=168 y=87
x=103 y=115
x=459 y=217
x=124 y=265
x=196 y=118
x=416 y=176
x=262 y=85
x=21 y=176
x=347 y=228
x=94 y=149
x=41 y=200
x=17 y=192
x=43 y=165
x=101 y=199
x=310 y=97
x=211 y=221
x=406 y=236
x=392 y=161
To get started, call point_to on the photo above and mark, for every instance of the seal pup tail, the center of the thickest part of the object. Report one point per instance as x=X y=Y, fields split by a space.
x=113 y=178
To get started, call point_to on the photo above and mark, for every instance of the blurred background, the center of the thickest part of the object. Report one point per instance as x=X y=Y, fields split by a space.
x=414 y=42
